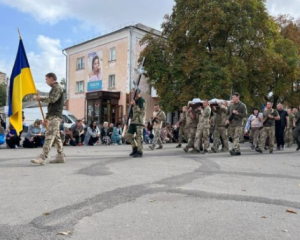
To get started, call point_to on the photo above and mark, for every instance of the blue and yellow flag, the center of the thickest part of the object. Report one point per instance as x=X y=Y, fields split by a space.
x=21 y=84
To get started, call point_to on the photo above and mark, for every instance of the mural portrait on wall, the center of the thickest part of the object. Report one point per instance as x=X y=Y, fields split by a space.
x=95 y=75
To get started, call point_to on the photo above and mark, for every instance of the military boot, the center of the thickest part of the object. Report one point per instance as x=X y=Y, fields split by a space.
x=213 y=149
x=237 y=153
x=297 y=142
x=178 y=146
x=195 y=150
x=259 y=150
x=40 y=160
x=151 y=147
x=185 y=149
x=138 y=154
x=60 y=158
x=232 y=152
x=134 y=150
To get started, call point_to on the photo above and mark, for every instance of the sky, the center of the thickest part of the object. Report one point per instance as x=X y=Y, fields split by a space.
x=49 y=26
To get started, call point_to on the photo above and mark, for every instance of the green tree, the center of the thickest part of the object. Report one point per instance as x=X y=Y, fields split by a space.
x=290 y=30
x=211 y=46
x=3 y=94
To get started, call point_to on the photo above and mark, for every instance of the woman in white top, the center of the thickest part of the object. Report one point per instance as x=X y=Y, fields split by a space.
x=254 y=123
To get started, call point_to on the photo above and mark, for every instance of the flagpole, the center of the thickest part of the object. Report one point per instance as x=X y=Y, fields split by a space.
x=39 y=102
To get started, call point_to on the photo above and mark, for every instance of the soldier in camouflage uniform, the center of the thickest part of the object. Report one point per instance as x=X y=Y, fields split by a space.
x=181 y=124
x=289 y=138
x=296 y=132
x=268 y=130
x=236 y=112
x=202 y=134
x=158 y=117
x=220 y=127
x=191 y=126
x=135 y=131
x=53 y=120
x=294 y=111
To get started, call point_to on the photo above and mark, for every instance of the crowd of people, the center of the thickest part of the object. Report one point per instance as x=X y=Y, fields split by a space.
x=220 y=123
x=74 y=136
x=198 y=127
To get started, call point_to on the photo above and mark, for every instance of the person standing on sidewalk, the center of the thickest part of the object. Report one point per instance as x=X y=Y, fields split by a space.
x=268 y=130
x=280 y=126
x=254 y=124
x=220 y=127
x=236 y=113
x=296 y=133
x=158 y=117
x=289 y=138
x=134 y=134
x=181 y=125
x=53 y=119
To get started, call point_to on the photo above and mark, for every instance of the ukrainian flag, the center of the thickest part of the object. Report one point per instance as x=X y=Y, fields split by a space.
x=21 y=84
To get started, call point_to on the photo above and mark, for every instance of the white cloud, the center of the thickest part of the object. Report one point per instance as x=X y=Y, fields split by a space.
x=290 y=7
x=49 y=59
x=97 y=13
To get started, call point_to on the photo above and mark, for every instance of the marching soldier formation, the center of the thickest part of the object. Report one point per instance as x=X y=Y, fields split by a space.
x=229 y=123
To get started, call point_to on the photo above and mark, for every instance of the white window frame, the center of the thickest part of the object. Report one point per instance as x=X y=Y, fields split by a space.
x=80 y=86
x=112 y=54
x=112 y=81
x=80 y=63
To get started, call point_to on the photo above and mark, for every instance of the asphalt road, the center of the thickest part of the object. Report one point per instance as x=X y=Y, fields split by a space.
x=101 y=193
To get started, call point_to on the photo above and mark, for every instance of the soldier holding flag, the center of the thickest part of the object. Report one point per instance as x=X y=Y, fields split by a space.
x=54 y=118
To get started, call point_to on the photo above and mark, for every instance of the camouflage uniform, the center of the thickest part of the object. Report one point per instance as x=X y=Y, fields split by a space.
x=160 y=117
x=296 y=132
x=203 y=127
x=236 y=129
x=268 y=130
x=135 y=131
x=220 y=128
x=191 y=125
x=182 y=128
x=289 y=132
x=54 y=118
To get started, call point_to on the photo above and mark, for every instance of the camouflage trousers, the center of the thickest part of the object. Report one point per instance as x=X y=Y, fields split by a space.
x=289 y=137
x=296 y=135
x=191 y=137
x=264 y=134
x=220 y=132
x=52 y=136
x=157 y=138
x=183 y=132
x=235 y=133
x=202 y=136
x=134 y=135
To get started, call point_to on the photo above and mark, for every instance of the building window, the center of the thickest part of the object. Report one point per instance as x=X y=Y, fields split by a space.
x=80 y=86
x=111 y=81
x=112 y=54
x=80 y=63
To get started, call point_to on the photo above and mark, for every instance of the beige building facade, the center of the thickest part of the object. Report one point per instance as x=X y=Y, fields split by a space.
x=100 y=75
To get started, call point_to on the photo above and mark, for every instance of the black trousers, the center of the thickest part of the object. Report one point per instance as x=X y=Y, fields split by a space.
x=279 y=133
x=296 y=135
x=13 y=141
x=93 y=140
x=37 y=142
